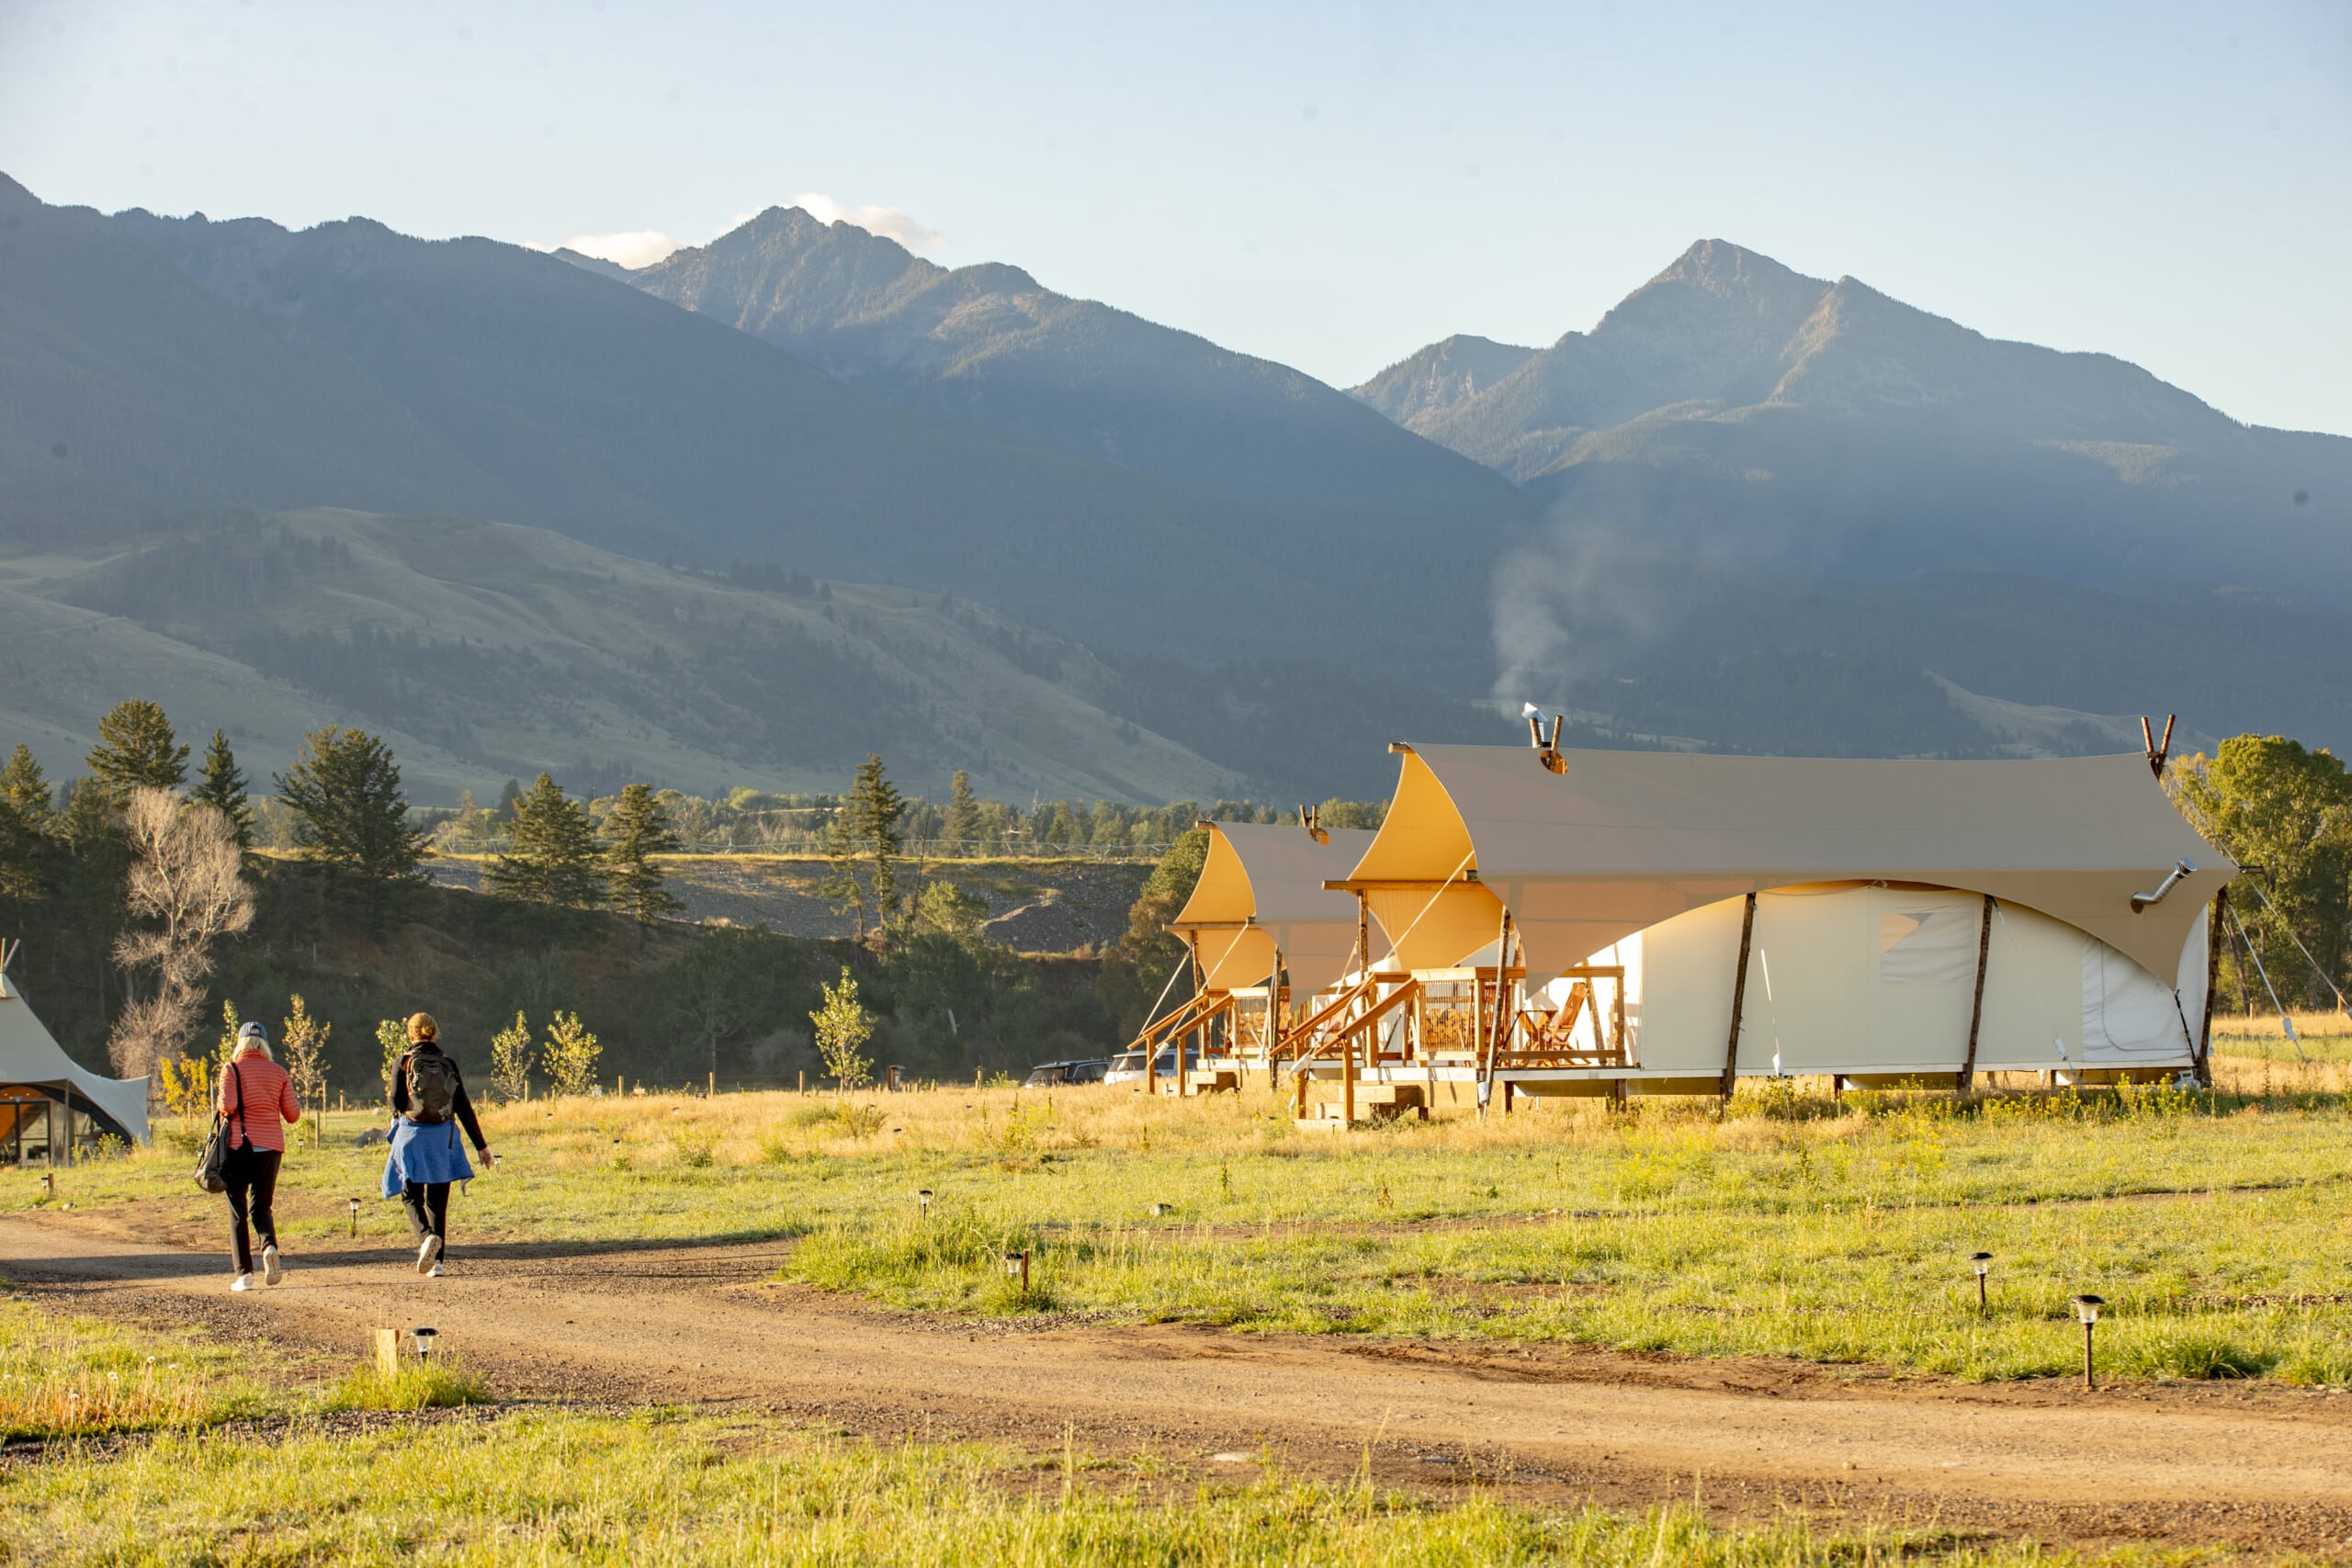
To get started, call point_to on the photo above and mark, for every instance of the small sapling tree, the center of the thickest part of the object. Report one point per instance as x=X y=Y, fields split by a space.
x=391 y=1040
x=305 y=1044
x=510 y=1060
x=843 y=1026
x=570 y=1055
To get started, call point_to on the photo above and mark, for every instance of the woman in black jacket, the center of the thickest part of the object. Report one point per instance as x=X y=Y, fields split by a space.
x=429 y=1105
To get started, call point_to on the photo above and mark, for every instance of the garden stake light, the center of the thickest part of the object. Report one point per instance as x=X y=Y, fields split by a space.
x=2087 y=1308
x=1018 y=1263
x=355 y=1217
x=1983 y=1262
x=1163 y=1208
x=48 y=1185
x=923 y=1196
x=424 y=1337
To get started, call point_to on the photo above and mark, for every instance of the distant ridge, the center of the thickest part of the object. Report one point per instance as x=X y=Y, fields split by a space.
x=1453 y=371
x=990 y=342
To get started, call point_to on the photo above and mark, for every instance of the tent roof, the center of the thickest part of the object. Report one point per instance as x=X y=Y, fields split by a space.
x=1262 y=891
x=31 y=1055
x=1624 y=840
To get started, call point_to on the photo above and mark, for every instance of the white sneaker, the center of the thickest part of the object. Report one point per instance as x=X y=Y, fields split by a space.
x=435 y=1272
x=427 y=1251
x=272 y=1270
x=245 y=1282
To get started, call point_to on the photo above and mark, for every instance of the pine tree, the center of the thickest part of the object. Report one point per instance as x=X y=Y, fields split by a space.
x=636 y=831
x=221 y=785
x=136 y=747
x=877 y=812
x=24 y=789
x=554 y=856
x=961 y=827
x=349 y=812
x=868 y=829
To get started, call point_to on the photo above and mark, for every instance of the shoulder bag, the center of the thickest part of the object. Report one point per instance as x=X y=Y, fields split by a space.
x=211 y=1173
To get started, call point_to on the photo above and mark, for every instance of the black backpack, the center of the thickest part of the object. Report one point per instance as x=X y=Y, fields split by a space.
x=431 y=1086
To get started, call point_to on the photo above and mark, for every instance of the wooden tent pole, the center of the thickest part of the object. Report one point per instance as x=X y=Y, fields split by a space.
x=1738 y=997
x=2212 y=981
x=1487 y=1029
x=1967 y=1078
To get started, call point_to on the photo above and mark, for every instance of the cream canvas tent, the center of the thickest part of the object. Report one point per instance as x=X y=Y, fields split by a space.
x=1260 y=911
x=1843 y=913
x=47 y=1103
x=1261 y=899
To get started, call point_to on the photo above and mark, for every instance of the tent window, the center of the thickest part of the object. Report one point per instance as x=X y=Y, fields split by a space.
x=24 y=1125
x=1926 y=945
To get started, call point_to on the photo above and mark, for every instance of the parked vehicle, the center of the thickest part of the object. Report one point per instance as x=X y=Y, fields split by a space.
x=1128 y=1067
x=1045 y=1075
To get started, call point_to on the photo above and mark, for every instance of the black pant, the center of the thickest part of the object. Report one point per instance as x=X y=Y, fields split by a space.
x=428 y=1203
x=253 y=1184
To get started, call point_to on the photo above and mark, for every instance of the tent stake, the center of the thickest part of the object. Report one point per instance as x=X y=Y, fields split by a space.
x=1966 y=1081
x=1738 y=997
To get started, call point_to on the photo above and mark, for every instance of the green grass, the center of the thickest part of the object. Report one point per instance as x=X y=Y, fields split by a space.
x=63 y=1376
x=659 y=1490
x=1835 y=1234
x=442 y=1385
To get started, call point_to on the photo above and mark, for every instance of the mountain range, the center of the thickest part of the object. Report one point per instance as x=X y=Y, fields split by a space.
x=742 y=515
x=1734 y=409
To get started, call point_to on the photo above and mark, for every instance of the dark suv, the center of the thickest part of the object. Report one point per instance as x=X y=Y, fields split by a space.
x=1045 y=1075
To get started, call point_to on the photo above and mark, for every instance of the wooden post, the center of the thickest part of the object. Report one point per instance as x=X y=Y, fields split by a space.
x=2212 y=980
x=388 y=1353
x=1738 y=998
x=1273 y=1009
x=1966 y=1079
x=1298 y=1089
x=714 y=1084
x=1348 y=1081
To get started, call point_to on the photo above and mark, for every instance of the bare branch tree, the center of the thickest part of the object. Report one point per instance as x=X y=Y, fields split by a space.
x=185 y=881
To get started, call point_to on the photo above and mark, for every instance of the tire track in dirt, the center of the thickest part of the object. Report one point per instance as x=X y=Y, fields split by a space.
x=2269 y=1469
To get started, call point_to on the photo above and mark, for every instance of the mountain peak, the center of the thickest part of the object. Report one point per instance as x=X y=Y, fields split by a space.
x=14 y=197
x=1722 y=268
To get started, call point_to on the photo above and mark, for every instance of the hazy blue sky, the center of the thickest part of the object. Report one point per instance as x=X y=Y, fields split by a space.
x=1331 y=185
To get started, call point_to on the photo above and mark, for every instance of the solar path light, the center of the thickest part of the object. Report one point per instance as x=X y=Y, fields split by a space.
x=1017 y=1264
x=425 y=1338
x=2087 y=1308
x=1982 y=1262
x=1163 y=1209
x=355 y=1217
x=923 y=1196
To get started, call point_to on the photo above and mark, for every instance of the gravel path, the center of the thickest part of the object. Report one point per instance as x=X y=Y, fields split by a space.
x=2262 y=1468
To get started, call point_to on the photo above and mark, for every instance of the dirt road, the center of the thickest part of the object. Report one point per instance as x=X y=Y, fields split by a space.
x=2270 y=1468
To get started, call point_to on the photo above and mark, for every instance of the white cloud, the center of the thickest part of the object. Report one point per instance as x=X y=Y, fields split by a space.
x=887 y=221
x=636 y=248
x=643 y=247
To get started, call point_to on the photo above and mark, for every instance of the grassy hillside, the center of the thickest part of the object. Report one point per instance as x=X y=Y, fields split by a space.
x=504 y=650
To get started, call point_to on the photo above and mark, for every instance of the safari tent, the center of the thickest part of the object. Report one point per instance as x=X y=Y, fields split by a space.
x=1660 y=922
x=1261 y=928
x=50 y=1107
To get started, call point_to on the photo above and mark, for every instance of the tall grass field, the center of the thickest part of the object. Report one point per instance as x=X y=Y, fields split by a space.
x=1795 y=1225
